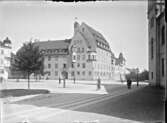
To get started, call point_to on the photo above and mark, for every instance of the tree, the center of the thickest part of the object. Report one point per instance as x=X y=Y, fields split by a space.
x=135 y=76
x=144 y=75
x=29 y=60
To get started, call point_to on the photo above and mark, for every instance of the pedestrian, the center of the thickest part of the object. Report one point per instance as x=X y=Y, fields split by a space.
x=129 y=83
x=59 y=80
x=98 y=83
x=137 y=83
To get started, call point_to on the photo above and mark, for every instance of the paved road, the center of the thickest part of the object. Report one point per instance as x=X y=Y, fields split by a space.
x=66 y=108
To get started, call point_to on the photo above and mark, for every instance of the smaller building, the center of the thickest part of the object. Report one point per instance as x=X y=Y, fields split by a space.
x=120 y=70
x=5 y=55
x=56 y=57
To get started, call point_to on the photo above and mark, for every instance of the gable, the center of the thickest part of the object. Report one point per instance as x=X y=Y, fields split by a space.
x=78 y=40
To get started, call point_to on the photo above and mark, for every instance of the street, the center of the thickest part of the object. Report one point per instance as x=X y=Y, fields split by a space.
x=72 y=107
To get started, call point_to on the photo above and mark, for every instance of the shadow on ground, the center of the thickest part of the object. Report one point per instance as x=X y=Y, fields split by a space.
x=146 y=105
x=21 y=92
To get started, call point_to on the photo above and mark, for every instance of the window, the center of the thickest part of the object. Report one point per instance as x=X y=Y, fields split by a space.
x=72 y=73
x=64 y=65
x=74 y=57
x=83 y=65
x=56 y=65
x=72 y=65
x=89 y=57
x=78 y=50
x=163 y=35
x=152 y=48
x=78 y=57
x=83 y=73
x=49 y=58
x=49 y=65
x=56 y=73
x=78 y=72
x=112 y=62
x=163 y=67
x=78 y=65
x=82 y=50
x=94 y=57
x=152 y=75
x=83 y=57
x=48 y=73
x=90 y=73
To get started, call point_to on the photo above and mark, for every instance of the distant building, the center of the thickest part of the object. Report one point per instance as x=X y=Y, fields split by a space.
x=157 y=42
x=120 y=70
x=5 y=55
x=86 y=56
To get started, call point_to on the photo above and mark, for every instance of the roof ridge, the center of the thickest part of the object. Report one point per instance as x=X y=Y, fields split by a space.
x=52 y=41
x=91 y=28
x=93 y=31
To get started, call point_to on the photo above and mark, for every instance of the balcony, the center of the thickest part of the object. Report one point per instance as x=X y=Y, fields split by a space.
x=91 y=56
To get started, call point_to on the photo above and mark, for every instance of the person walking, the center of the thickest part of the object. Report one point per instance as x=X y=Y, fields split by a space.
x=129 y=83
x=98 y=83
x=59 y=80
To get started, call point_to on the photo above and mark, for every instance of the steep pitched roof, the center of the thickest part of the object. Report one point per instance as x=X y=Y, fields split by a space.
x=54 y=44
x=99 y=39
x=96 y=34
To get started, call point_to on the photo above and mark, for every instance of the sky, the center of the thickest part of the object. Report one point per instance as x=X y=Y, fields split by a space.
x=124 y=24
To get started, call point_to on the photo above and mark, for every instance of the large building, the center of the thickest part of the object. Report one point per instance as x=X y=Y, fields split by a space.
x=5 y=55
x=157 y=42
x=86 y=56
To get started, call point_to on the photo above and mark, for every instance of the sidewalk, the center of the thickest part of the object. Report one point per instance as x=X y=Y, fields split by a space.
x=81 y=86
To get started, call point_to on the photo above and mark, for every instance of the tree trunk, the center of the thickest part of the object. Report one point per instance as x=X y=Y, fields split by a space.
x=28 y=80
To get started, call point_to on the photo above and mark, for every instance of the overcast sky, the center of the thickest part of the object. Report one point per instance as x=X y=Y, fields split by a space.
x=123 y=24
